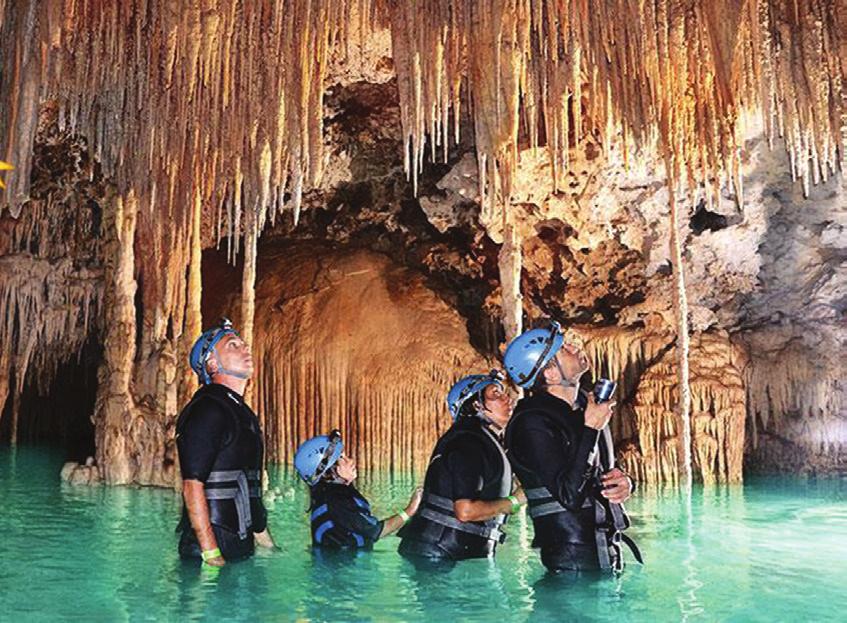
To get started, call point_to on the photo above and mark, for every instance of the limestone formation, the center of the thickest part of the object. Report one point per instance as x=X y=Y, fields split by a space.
x=506 y=160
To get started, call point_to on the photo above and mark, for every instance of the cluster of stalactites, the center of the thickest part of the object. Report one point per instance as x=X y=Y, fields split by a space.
x=669 y=75
x=792 y=379
x=217 y=98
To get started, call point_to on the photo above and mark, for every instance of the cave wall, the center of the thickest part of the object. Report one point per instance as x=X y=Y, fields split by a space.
x=347 y=338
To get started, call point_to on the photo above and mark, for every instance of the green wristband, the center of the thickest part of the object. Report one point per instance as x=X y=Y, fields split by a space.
x=210 y=553
x=516 y=506
x=404 y=516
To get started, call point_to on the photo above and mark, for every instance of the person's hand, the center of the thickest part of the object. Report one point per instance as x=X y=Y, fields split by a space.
x=414 y=501
x=217 y=561
x=597 y=416
x=263 y=539
x=520 y=495
x=617 y=486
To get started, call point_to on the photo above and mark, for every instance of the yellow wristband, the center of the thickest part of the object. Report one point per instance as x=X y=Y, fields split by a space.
x=210 y=553
x=404 y=516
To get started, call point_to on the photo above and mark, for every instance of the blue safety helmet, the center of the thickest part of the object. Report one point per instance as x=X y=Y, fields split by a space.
x=530 y=352
x=317 y=455
x=204 y=347
x=471 y=386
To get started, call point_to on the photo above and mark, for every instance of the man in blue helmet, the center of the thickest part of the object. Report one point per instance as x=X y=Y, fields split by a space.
x=468 y=485
x=220 y=454
x=560 y=456
x=341 y=517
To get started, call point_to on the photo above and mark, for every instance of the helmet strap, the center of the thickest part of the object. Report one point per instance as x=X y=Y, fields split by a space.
x=223 y=370
x=564 y=381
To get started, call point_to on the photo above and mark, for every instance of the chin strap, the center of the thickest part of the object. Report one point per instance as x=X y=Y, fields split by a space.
x=487 y=421
x=221 y=370
x=564 y=381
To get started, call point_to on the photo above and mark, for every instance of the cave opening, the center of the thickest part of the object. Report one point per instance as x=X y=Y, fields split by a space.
x=58 y=414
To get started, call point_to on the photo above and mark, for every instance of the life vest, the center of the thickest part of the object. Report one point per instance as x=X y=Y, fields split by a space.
x=591 y=535
x=233 y=489
x=435 y=524
x=341 y=517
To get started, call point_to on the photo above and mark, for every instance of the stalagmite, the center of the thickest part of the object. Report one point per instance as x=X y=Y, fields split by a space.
x=115 y=410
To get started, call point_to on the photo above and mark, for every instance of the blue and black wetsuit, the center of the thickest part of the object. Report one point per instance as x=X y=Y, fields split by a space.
x=468 y=463
x=220 y=444
x=558 y=460
x=341 y=517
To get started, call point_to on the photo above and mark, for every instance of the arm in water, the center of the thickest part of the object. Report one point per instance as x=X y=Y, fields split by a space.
x=198 y=513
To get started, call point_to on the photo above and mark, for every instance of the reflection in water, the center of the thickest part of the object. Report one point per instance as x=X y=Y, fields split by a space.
x=688 y=603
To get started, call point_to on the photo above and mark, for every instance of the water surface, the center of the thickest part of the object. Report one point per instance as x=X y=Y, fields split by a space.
x=772 y=550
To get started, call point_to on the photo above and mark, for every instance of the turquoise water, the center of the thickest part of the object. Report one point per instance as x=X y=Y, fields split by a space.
x=773 y=550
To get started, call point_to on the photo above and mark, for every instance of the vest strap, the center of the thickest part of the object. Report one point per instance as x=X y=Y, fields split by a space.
x=240 y=491
x=487 y=532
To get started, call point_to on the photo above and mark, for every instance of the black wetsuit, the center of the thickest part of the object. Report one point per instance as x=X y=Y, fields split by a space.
x=341 y=517
x=468 y=463
x=552 y=453
x=220 y=444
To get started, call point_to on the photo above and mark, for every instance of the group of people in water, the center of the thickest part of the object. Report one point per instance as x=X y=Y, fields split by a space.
x=552 y=451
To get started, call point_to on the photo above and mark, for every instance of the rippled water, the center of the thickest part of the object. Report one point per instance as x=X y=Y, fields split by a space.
x=773 y=550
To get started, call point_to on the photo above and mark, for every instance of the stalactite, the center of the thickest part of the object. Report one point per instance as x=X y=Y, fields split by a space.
x=682 y=340
x=509 y=264
x=669 y=74
x=345 y=340
x=646 y=424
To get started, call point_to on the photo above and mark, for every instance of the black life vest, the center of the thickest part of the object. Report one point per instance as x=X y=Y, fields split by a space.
x=342 y=517
x=587 y=537
x=233 y=488
x=435 y=524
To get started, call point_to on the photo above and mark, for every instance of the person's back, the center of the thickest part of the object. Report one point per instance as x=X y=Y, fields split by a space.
x=340 y=516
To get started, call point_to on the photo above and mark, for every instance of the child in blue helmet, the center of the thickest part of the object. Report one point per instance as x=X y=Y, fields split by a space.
x=340 y=516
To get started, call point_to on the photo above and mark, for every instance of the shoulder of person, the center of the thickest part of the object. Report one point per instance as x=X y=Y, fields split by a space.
x=206 y=407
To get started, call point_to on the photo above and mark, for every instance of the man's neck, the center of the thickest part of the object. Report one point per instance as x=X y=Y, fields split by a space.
x=235 y=384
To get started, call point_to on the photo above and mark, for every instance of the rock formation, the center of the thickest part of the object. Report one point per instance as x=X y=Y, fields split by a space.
x=506 y=160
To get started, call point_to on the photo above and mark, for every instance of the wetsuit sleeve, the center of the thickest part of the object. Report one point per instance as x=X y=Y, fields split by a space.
x=200 y=436
x=465 y=467
x=359 y=522
x=563 y=468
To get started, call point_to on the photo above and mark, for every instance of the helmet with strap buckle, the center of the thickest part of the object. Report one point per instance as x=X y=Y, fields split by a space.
x=317 y=455
x=204 y=347
x=469 y=387
x=530 y=352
